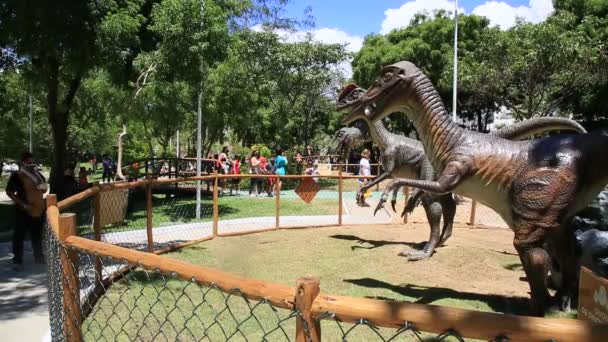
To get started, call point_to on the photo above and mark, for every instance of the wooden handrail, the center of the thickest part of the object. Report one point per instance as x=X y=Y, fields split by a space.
x=278 y=295
x=468 y=323
x=62 y=205
x=81 y=196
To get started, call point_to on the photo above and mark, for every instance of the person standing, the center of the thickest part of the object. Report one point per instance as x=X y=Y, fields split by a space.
x=236 y=170
x=254 y=168
x=280 y=165
x=107 y=169
x=83 y=180
x=26 y=188
x=365 y=170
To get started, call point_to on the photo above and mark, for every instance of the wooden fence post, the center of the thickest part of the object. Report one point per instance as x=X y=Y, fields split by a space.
x=277 y=192
x=51 y=200
x=473 y=209
x=340 y=208
x=216 y=208
x=71 y=282
x=406 y=194
x=149 y=224
x=307 y=328
x=97 y=230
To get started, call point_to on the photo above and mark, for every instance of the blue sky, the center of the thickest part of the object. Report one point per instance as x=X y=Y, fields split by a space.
x=349 y=21
x=360 y=17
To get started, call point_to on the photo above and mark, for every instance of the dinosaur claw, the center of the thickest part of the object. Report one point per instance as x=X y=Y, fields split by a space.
x=379 y=206
x=393 y=203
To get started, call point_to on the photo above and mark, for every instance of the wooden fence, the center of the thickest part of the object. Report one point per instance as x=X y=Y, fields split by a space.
x=306 y=297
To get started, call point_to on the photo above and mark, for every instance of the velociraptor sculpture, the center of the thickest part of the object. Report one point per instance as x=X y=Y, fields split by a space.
x=404 y=157
x=535 y=186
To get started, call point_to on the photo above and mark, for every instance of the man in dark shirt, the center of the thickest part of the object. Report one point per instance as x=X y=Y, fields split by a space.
x=108 y=169
x=26 y=188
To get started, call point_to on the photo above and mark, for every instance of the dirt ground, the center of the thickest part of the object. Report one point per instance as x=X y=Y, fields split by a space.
x=476 y=269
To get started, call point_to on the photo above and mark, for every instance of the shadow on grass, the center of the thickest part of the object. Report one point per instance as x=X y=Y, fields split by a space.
x=429 y=295
x=376 y=243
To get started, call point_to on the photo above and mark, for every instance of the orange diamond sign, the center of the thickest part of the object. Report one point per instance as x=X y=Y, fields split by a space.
x=308 y=189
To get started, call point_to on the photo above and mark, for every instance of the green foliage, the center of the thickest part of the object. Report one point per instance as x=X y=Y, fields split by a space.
x=277 y=92
x=15 y=91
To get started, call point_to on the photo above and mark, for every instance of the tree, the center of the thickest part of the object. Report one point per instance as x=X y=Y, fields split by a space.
x=589 y=21
x=15 y=92
x=532 y=69
x=62 y=41
x=283 y=92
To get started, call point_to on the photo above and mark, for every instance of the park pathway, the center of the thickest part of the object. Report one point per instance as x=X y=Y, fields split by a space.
x=24 y=312
x=23 y=295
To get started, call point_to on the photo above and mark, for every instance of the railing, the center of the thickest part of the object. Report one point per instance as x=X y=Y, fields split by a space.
x=105 y=291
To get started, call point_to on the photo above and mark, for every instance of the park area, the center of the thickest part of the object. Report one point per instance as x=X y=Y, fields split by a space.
x=303 y=170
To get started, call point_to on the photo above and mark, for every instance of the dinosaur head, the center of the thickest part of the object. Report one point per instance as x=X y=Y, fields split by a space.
x=381 y=99
x=350 y=100
x=348 y=138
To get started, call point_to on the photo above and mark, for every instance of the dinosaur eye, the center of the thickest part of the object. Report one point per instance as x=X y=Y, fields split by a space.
x=387 y=76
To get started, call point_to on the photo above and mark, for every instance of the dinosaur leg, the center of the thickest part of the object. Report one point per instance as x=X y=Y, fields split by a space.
x=565 y=252
x=542 y=198
x=535 y=261
x=448 y=205
x=433 y=214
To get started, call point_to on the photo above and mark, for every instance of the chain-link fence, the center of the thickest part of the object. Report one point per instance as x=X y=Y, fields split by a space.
x=120 y=300
x=98 y=291
x=157 y=214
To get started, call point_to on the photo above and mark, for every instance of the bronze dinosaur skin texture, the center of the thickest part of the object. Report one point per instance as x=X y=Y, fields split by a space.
x=535 y=186
x=404 y=157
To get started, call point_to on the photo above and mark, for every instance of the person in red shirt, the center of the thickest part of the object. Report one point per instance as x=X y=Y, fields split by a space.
x=236 y=170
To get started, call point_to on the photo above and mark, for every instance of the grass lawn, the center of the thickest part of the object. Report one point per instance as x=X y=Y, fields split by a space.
x=477 y=270
x=175 y=210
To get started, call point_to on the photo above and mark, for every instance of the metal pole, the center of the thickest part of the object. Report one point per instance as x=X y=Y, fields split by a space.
x=199 y=122
x=454 y=103
x=31 y=120
x=177 y=144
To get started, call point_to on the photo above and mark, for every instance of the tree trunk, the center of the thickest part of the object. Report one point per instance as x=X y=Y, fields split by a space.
x=119 y=161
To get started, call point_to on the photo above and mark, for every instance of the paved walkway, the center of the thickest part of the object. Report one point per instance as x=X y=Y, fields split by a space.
x=23 y=295
x=23 y=299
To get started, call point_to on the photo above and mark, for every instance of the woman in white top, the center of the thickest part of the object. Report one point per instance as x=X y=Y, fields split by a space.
x=364 y=170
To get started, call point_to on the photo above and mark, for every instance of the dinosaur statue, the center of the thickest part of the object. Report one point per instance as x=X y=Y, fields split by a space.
x=535 y=186
x=404 y=157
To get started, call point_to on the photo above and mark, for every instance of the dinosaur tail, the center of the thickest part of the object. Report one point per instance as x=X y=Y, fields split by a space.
x=530 y=127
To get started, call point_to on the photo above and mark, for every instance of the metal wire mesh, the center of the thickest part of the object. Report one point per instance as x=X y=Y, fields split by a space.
x=130 y=302
x=174 y=214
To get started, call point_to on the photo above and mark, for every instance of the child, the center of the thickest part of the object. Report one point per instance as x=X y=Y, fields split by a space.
x=365 y=171
x=82 y=178
x=236 y=170
x=311 y=169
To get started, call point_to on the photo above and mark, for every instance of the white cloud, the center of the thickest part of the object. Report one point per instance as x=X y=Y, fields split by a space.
x=499 y=12
x=400 y=17
x=504 y=15
x=325 y=35
x=332 y=36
